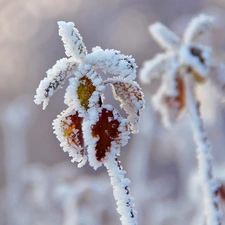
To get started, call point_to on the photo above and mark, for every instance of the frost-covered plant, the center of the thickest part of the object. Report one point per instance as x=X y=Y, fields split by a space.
x=184 y=64
x=88 y=129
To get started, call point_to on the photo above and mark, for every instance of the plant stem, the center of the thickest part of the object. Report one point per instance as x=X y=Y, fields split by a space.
x=121 y=192
x=209 y=185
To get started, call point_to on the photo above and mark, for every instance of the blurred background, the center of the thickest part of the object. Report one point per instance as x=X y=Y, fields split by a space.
x=38 y=184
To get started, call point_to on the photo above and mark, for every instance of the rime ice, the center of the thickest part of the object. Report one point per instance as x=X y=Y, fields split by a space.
x=89 y=130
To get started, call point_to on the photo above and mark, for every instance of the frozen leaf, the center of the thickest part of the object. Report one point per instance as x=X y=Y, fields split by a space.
x=109 y=132
x=85 y=88
x=157 y=66
x=73 y=42
x=68 y=130
x=169 y=104
x=164 y=36
x=56 y=76
x=112 y=61
x=131 y=98
x=198 y=26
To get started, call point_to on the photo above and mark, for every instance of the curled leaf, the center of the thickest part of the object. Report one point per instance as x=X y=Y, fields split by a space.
x=68 y=130
x=198 y=26
x=169 y=104
x=131 y=97
x=56 y=76
x=112 y=61
x=73 y=41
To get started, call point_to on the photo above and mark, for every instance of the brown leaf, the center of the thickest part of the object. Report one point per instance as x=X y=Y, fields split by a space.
x=72 y=126
x=106 y=128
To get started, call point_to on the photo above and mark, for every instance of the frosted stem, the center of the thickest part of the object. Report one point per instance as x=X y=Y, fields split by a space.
x=125 y=206
x=209 y=186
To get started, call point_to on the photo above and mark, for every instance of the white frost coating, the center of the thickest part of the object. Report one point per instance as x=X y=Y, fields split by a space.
x=116 y=144
x=187 y=58
x=208 y=183
x=164 y=36
x=112 y=61
x=91 y=142
x=157 y=66
x=73 y=41
x=198 y=26
x=56 y=76
x=125 y=205
x=75 y=151
x=71 y=96
x=131 y=98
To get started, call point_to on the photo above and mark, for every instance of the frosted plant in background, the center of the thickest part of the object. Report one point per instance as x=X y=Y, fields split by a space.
x=184 y=64
x=88 y=129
